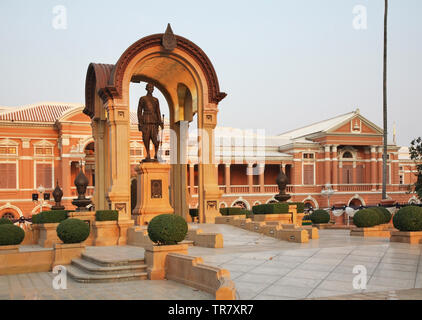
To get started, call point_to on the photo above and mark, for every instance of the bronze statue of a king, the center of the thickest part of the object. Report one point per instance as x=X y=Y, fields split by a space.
x=149 y=119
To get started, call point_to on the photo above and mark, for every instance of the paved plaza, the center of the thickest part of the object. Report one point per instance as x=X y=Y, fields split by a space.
x=261 y=267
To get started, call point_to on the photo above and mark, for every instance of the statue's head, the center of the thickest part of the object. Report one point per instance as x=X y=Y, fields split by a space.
x=149 y=87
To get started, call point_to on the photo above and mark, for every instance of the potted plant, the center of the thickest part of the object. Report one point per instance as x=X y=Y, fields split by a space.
x=165 y=231
x=72 y=232
x=408 y=220
x=45 y=224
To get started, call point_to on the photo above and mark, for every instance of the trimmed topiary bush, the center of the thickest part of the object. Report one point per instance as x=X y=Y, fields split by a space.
x=320 y=216
x=367 y=218
x=408 y=219
x=5 y=221
x=247 y=213
x=271 y=208
x=106 y=215
x=231 y=211
x=73 y=231
x=167 y=229
x=385 y=214
x=53 y=216
x=11 y=235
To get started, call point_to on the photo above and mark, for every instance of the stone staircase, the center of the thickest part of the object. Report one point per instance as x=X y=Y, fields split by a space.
x=90 y=268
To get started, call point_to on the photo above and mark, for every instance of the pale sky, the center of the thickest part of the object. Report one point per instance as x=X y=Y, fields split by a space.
x=283 y=64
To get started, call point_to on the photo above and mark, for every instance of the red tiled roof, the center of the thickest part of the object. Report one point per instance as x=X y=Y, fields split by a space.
x=37 y=113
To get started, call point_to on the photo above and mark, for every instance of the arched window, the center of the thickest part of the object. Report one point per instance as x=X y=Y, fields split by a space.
x=347 y=155
x=9 y=215
x=240 y=204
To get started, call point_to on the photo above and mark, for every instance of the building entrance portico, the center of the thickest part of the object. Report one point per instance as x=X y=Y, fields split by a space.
x=186 y=77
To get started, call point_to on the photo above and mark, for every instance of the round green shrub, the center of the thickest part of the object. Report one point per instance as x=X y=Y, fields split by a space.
x=367 y=218
x=320 y=216
x=11 y=235
x=5 y=221
x=167 y=229
x=408 y=219
x=73 y=231
x=386 y=215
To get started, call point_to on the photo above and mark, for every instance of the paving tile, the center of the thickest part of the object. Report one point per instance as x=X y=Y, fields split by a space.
x=260 y=278
x=307 y=274
x=297 y=282
x=315 y=267
x=272 y=270
x=394 y=274
x=287 y=291
x=335 y=285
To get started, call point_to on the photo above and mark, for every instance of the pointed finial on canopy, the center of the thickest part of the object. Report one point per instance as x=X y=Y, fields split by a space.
x=169 y=41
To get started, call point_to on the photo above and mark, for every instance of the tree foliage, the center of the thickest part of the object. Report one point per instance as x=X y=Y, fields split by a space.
x=415 y=151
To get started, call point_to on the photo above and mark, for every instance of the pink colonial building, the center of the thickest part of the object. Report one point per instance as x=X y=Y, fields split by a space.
x=46 y=143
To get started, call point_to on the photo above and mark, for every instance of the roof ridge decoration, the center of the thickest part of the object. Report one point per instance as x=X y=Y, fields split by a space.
x=169 y=41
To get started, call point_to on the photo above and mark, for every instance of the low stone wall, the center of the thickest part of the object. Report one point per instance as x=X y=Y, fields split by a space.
x=13 y=261
x=207 y=240
x=293 y=235
x=312 y=231
x=192 y=272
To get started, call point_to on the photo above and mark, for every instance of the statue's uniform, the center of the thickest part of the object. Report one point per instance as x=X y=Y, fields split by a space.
x=149 y=119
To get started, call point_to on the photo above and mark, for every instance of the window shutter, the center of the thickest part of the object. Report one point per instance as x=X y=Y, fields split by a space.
x=308 y=174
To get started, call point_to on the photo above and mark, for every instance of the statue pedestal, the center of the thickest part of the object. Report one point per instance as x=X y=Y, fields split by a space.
x=152 y=192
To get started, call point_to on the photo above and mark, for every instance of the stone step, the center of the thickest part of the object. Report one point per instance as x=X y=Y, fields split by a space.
x=188 y=242
x=103 y=262
x=80 y=275
x=94 y=268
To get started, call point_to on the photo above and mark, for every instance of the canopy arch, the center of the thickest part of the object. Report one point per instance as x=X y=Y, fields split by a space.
x=187 y=79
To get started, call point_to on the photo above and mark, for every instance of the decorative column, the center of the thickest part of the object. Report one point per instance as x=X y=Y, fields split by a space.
x=379 y=167
x=227 y=177
x=327 y=165
x=209 y=192
x=261 y=177
x=119 y=129
x=334 y=166
x=249 y=173
x=192 y=178
x=373 y=168
x=66 y=174
x=354 y=173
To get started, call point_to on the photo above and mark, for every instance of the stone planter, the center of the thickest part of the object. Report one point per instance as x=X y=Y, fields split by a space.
x=155 y=258
x=411 y=237
x=64 y=253
x=106 y=233
x=9 y=249
x=47 y=234
x=377 y=231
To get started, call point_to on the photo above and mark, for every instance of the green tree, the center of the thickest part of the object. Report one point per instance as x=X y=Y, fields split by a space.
x=415 y=151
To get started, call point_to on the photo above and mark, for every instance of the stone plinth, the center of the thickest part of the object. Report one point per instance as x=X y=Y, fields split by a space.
x=64 y=253
x=153 y=192
x=106 y=233
x=376 y=231
x=155 y=258
x=47 y=234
